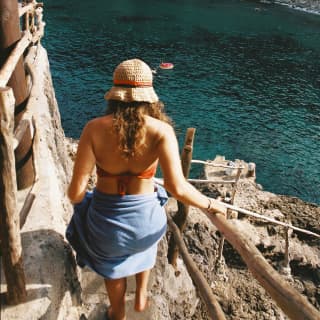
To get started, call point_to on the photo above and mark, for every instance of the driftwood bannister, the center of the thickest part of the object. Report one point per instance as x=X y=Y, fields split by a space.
x=181 y=217
x=9 y=218
x=17 y=132
x=16 y=148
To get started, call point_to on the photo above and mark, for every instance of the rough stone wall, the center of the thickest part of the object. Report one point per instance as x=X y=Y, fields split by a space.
x=309 y=5
x=43 y=106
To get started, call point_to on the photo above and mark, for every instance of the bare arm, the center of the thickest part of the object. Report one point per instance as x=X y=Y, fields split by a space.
x=83 y=166
x=174 y=180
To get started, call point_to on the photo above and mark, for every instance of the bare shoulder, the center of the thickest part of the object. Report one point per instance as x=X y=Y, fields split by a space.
x=162 y=128
x=98 y=123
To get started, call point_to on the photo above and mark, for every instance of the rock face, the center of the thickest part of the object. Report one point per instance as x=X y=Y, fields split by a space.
x=311 y=5
x=307 y=5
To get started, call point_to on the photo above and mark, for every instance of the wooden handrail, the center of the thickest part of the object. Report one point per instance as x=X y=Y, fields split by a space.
x=25 y=9
x=256 y=215
x=10 y=177
x=40 y=25
x=27 y=38
x=38 y=34
x=259 y=216
x=10 y=64
x=20 y=132
x=221 y=243
x=213 y=307
x=181 y=216
x=26 y=208
x=160 y=181
x=212 y=181
x=29 y=7
x=293 y=304
x=9 y=217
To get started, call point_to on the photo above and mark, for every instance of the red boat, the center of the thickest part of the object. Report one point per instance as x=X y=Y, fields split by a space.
x=166 y=65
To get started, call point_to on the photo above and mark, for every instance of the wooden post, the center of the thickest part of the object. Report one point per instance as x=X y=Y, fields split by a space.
x=33 y=22
x=27 y=21
x=9 y=216
x=10 y=34
x=213 y=307
x=27 y=18
x=24 y=160
x=26 y=208
x=284 y=267
x=221 y=243
x=286 y=261
x=10 y=64
x=251 y=170
x=181 y=217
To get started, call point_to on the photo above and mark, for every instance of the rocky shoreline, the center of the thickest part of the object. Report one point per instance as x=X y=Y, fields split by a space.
x=309 y=6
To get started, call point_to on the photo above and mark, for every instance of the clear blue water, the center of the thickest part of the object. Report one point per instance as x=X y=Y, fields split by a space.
x=247 y=80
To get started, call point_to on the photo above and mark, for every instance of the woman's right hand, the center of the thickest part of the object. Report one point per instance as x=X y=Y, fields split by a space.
x=216 y=207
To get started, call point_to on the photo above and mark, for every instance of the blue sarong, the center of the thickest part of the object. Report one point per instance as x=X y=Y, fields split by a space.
x=116 y=236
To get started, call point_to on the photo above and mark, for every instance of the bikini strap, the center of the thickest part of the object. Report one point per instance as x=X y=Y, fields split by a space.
x=123 y=182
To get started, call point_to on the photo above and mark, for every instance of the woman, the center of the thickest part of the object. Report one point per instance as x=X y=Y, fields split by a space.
x=116 y=229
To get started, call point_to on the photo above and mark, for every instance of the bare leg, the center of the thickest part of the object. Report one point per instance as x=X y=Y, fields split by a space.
x=116 y=289
x=142 y=279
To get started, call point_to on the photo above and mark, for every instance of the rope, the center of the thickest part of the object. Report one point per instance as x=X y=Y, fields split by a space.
x=257 y=215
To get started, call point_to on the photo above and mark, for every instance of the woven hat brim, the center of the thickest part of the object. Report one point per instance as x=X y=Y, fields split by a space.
x=132 y=94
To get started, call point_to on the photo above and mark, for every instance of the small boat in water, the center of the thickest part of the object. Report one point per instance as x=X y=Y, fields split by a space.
x=166 y=65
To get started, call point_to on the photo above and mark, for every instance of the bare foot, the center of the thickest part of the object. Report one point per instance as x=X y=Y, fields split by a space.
x=141 y=302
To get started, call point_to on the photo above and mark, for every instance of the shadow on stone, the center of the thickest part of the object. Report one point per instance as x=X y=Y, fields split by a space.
x=51 y=278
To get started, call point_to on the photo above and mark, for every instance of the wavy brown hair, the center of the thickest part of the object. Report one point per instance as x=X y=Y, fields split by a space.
x=128 y=122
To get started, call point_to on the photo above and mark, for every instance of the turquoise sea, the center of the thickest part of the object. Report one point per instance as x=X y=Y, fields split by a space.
x=246 y=76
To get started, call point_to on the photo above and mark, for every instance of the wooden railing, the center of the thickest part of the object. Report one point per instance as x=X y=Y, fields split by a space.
x=32 y=34
x=293 y=304
x=16 y=134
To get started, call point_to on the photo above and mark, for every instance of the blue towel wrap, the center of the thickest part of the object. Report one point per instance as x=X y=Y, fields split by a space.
x=116 y=236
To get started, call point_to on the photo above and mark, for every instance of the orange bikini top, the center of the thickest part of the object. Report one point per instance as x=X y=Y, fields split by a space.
x=124 y=178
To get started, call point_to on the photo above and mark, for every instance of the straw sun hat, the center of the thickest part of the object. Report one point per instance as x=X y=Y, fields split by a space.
x=132 y=81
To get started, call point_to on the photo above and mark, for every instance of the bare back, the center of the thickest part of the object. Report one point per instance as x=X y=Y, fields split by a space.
x=104 y=143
